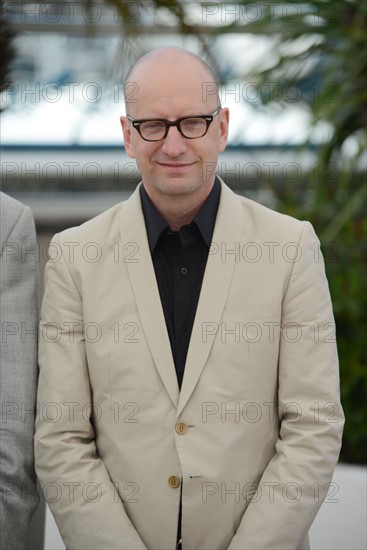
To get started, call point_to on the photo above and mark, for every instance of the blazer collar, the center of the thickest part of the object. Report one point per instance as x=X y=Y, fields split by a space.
x=205 y=219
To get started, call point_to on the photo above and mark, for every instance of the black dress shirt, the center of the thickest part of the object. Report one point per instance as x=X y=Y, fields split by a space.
x=179 y=259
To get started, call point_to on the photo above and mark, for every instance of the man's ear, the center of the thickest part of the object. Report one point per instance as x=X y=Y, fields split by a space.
x=223 y=128
x=125 y=125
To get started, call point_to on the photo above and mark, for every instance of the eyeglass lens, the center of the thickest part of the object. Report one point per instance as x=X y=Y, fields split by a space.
x=190 y=128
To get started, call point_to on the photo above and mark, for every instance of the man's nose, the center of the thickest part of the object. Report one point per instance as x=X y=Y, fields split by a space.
x=174 y=143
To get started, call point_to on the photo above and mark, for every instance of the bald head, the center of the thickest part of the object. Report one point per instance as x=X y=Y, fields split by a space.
x=175 y=55
x=173 y=61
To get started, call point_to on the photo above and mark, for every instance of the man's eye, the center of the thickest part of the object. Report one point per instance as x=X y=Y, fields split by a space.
x=152 y=126
x=191 y=122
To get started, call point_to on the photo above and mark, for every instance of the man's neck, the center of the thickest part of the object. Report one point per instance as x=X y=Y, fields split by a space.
x=179 y=210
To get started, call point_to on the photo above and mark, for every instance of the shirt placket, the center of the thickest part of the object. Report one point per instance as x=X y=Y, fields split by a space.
x=183 y=280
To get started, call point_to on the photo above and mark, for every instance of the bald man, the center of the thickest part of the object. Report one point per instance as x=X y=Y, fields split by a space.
x=188 y=393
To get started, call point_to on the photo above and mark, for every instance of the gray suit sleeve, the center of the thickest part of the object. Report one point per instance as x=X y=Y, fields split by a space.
x=18 y=371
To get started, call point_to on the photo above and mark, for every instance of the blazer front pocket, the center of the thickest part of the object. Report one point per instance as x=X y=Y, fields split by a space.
x=246 y=341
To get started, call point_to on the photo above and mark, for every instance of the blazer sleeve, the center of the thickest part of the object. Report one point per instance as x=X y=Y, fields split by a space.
x=74 y=479
x=18 y=372
x=297 y=478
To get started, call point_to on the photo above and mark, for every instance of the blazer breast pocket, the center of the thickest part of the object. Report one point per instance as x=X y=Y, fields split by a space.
x=262 y=329
x=247 y=341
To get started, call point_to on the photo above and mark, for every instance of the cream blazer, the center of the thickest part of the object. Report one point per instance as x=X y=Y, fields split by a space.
x=252 y=439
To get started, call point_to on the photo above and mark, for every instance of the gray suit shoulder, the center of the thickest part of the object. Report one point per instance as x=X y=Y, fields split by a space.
x=10 y=206
x=11 y=210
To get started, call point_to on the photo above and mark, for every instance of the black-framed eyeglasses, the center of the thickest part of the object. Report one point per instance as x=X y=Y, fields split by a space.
x=190 y=127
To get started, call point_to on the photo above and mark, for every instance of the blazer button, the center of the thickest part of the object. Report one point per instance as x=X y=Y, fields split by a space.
x=174 y=482
x=181 y=428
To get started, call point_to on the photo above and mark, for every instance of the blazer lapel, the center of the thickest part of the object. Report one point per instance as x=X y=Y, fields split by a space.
x=145 y=289
x=214 y=290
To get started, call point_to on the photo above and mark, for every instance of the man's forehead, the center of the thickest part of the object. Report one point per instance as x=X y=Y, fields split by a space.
x=171 y=86
x=172 y=102
x=171 y=77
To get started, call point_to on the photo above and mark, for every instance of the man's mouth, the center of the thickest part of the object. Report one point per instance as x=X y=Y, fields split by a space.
x=176 y=165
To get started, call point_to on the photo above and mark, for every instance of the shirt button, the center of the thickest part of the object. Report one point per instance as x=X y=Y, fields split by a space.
x=174 y=482
x=184 y=271
x=182 y=428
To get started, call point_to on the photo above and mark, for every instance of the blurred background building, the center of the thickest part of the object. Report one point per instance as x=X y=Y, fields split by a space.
x=292 y=75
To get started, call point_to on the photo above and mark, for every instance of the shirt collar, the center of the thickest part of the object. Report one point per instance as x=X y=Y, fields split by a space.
x=204 y=220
